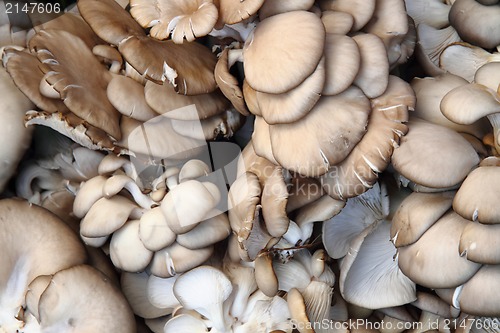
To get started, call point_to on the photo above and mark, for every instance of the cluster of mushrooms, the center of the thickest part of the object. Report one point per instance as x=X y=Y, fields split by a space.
x=254 y=166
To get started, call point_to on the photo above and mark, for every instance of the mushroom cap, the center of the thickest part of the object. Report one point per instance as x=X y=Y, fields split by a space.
x=33 y=242
x=274 y=7
x=416 y=214
x=127 y=96
x=231 y=12
x=261 y=140
x=313 y=145
x=488 y=75
x=420 y=263
x=79 y=77
x=164 y=100
x=434 y=156
x=206 y=233
x=294 y=104
x=430 y=91
x=285 y=68
x=429 y=12
x=109 y=20
x=178 y=20
x=24 y=69
x=189 y=67
x=273 y=199
x=82 y=292
x=476 y=197
x=337 y=22
x=175 y=259
x=373 y=73
x=228 y=84
x=361 y=10
x=479 y=243
x=476 y=298
x=476 y=23
x=359 y=170
x=468 y=103
x=154 y=231
x=342 y=62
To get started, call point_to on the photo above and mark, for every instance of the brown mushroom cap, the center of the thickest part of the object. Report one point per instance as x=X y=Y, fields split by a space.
x=274 y=7
x=83 y=91
x=24 y=69
x=109 y=20
x=337 y=22
x=127 y=96
x=189 y=66
x=479 y=243
x=313 y=145
x=287 y=34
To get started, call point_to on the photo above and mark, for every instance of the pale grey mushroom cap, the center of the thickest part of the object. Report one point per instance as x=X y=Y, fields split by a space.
x=420 y=263
x=434 y=156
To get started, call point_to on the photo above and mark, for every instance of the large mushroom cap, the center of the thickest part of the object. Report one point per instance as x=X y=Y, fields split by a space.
x=283 y=50
x=433 y=155
x=33 y=242
x=82 y=299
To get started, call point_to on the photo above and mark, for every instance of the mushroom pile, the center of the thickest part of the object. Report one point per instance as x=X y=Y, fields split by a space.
x=361 y=197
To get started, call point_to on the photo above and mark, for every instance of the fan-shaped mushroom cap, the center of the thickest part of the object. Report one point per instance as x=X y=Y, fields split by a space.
x=476 y=23
x=337 y=22
x=433 y=155
x=420 y=263
x=83 y=92
x=284 y=33
x=489 y=75
x=135 y=288
x=154 y=231
x=478 y=243
x=25 y=69
x=176 y=258
x=165 y=101
x=313 y=144
x=430 y=92
x=177 y=205
x=373 y=73
x=178 y=20
x=127 y=96
x=99 y=223
x=81 y=292
x=416 y=214
x=474 y=298
x=48 y=247
x=361 y=11
x=232 y=12
x=274 y=7
x=342 y=62
x=468 y=103
x=126 y=250
x=360 y=169
x=475 y=200
x=294 y=104
x=208 y=232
